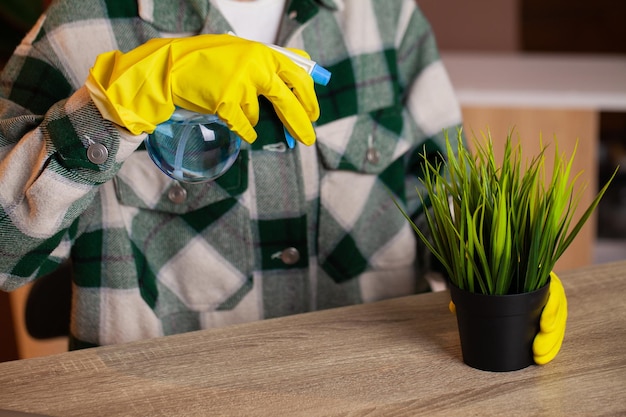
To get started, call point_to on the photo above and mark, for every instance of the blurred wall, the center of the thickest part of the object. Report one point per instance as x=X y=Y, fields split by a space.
x=575 y=26
x=479 y=25
x=578 y=26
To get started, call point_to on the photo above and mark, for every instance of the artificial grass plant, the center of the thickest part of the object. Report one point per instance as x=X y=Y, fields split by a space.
x=500 y=228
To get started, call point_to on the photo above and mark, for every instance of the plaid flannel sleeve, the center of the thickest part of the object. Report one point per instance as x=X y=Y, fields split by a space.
x=47 y=177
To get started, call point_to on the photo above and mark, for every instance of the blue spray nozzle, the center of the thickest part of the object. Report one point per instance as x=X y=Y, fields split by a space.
x=320 y=75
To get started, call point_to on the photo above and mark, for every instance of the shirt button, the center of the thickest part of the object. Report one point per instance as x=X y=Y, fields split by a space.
x=373 y=156
x=97 y=153
x=177 y=194
x=290 y=256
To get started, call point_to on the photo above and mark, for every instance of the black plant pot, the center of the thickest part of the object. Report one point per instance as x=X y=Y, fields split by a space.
x=497 y=331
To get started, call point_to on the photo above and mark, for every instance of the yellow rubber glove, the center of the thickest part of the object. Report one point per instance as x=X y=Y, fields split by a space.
x=213 y=74
x=548 y=341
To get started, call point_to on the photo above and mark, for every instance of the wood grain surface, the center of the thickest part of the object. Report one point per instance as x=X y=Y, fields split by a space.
x=398 y=357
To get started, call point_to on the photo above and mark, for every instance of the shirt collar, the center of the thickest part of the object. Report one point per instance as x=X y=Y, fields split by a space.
x=192 y=15
x=175 y=17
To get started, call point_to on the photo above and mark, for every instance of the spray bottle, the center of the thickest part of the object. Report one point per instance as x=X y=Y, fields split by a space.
x=193 y=147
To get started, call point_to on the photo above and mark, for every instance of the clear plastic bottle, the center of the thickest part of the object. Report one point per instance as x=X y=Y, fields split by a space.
x=193 y=147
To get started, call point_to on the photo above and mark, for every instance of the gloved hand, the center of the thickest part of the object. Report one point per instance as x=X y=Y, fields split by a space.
x=548 y=341
x=215 y=74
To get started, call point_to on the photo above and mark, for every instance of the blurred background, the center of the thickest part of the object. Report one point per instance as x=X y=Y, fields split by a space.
x=16 y=18
x=586 y=29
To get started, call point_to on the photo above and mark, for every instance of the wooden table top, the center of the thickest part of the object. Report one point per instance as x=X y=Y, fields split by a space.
x=398 y=357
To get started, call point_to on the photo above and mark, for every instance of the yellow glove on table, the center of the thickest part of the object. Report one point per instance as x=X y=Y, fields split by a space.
x=211 y=74
x=548 y=341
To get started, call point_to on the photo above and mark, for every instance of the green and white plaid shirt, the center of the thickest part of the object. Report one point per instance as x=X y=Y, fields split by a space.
x=284 y=231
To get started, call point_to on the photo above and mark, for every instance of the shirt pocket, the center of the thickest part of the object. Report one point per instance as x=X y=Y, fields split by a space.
x=140 y=184
x=362 y=160
x=191 y=242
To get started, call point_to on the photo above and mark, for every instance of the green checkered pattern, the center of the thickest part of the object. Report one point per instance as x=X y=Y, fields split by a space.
x=144 y=266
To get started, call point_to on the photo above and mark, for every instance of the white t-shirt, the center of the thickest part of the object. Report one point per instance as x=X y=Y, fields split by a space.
x=256 y=20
